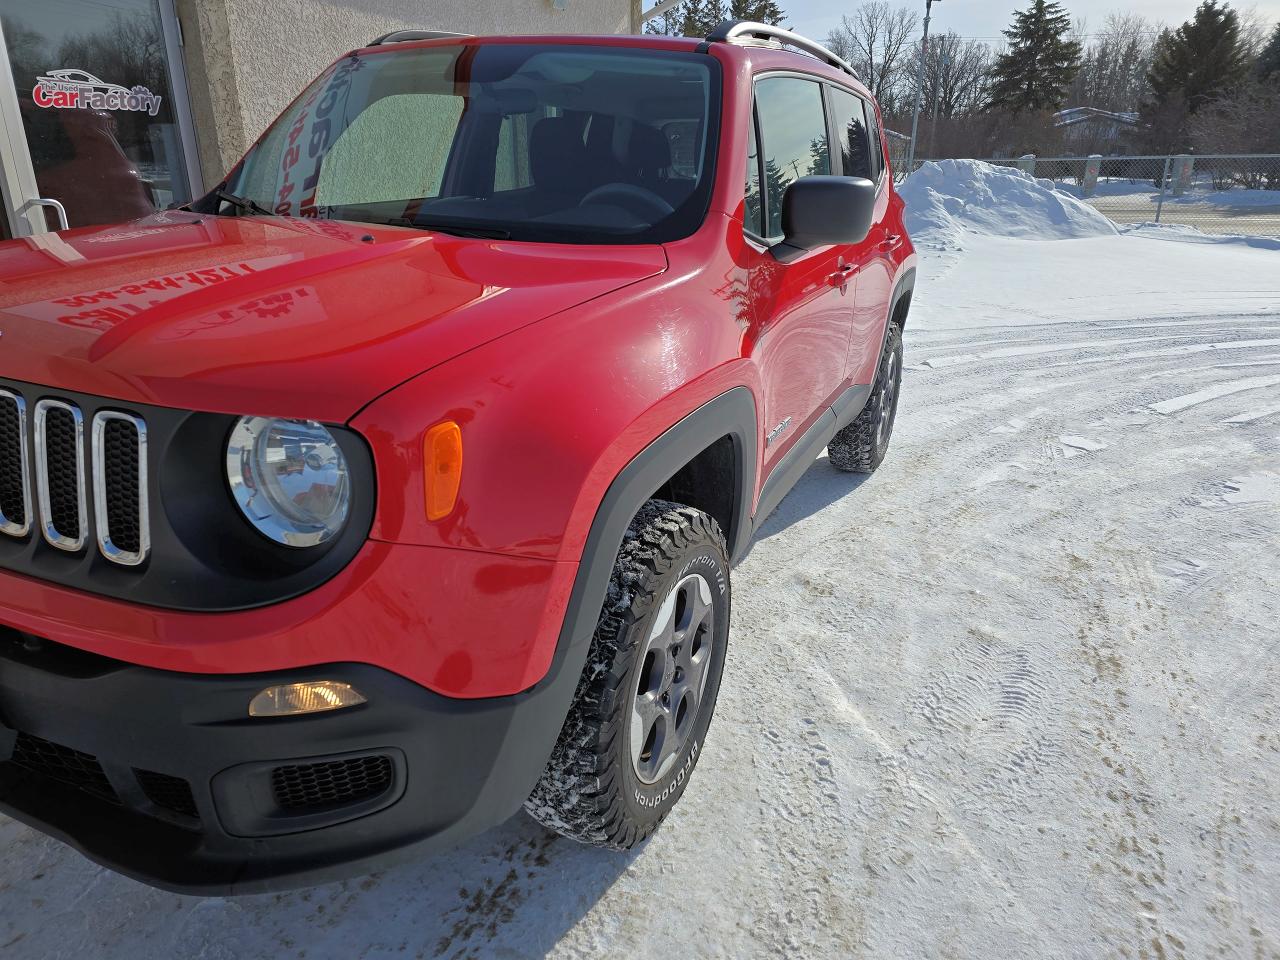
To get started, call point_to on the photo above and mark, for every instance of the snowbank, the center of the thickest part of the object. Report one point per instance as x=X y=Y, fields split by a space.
x=951 y=198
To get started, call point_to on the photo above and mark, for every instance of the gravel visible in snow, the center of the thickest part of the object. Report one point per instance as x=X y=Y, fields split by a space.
x=1012 y=696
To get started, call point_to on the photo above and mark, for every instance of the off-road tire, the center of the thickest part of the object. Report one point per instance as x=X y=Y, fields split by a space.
x=860 y=447
x=591 y=790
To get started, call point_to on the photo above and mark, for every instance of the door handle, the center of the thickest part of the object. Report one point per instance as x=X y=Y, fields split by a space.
x=891 y=241
x=842 y=275
x=57 y=206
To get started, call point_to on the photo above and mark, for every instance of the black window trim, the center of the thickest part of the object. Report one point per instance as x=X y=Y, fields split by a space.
x=764 y=194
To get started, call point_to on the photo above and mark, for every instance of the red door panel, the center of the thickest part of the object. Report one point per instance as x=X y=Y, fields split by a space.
x=802 y=310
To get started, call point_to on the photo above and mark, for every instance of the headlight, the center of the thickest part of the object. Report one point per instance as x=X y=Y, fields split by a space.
x=290 y=479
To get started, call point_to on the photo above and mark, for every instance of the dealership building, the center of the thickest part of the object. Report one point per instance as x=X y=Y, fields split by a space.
x=111 y=108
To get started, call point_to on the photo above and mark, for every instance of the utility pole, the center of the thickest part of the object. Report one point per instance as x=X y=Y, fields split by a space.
x=915 y=116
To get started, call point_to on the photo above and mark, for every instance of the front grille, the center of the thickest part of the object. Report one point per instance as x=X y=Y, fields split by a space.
x=15 y=490
x=60 y=475
x=63 y=486
x=332 y=783
x=75 y=769
x=170 y=793
x=120 y=486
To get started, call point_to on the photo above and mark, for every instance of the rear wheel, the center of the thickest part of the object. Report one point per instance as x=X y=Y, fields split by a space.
x=860 y=447
x=642 y=708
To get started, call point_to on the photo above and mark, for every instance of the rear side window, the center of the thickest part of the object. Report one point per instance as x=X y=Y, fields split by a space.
x=793 y=134
x=850 y=121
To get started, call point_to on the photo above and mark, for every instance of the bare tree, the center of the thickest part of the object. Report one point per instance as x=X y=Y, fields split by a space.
x=1255 y=28
x=877 y=41
x=1242 y=122
x=1113 y=73
x=955 y=75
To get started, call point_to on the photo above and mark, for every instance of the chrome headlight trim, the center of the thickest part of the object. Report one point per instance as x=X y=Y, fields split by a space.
x=266 y=455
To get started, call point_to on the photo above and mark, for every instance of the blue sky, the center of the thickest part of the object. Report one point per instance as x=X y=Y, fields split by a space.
x=986 y=18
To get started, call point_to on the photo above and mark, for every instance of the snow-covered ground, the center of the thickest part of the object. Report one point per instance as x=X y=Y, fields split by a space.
x=1012 y=696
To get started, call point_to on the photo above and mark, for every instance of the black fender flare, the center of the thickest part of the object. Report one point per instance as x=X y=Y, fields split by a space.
x=905 y=286
x=543 y=708
x=731 y=414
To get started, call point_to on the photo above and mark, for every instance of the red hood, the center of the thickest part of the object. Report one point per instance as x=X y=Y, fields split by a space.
x=275 y=317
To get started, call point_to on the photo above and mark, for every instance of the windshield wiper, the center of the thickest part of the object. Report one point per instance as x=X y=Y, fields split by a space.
x=242 y=203
x=455 y=230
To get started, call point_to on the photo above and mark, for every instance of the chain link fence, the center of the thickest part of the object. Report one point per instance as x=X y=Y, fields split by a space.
x=1228 y=194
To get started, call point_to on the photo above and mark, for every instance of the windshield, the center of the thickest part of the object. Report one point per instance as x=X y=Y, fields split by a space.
x=562 y=143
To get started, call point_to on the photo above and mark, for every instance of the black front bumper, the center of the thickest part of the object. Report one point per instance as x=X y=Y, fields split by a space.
x=164 y=777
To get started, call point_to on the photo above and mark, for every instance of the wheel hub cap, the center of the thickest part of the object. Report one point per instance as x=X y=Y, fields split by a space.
x=672 y=678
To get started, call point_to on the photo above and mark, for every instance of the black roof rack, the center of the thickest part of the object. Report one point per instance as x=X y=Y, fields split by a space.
x=748 y=32
x=405 y=36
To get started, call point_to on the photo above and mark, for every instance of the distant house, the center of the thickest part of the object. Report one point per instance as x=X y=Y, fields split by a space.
x=1088 y=130
x=898 y=144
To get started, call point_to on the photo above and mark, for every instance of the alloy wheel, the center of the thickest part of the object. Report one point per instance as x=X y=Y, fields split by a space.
x=672 y=678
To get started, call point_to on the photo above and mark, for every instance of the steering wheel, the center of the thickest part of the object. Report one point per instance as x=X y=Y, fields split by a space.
x=645 y=204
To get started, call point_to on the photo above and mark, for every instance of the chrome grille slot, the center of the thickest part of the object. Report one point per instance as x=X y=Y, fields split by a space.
x=120 y=487
x=60 y=486
x=15 y=476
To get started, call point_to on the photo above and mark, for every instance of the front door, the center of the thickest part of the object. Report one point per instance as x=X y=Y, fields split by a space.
x=93 y=113
x=803 y=307
x=860 y=155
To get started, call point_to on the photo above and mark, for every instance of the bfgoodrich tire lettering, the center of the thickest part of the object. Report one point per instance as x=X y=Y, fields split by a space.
x=593 y=790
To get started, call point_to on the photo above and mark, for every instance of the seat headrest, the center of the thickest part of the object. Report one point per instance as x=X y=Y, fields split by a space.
x=647 y=150
x=557 y=154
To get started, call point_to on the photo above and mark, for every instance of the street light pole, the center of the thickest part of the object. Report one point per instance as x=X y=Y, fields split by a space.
x=915 y=116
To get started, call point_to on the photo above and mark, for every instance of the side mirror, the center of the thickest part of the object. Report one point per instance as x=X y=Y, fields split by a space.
x=817 y=211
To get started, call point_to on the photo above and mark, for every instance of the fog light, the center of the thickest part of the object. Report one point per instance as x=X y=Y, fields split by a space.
x=291 y=699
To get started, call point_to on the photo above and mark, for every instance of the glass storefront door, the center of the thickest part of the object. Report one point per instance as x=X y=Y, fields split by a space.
x=94 y=112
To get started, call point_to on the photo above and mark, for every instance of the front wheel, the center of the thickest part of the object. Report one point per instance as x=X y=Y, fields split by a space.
x=643 y=705
x=861 y=446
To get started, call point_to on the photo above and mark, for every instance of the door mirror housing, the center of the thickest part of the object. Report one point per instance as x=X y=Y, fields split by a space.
x=818 y=210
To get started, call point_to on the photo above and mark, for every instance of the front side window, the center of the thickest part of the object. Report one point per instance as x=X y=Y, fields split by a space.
x=574 y=144
x=793 y=133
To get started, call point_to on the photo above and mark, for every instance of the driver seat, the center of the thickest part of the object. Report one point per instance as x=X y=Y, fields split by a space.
x=557 y=163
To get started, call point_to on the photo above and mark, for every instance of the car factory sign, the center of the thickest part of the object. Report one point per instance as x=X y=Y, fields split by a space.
x=79 y=89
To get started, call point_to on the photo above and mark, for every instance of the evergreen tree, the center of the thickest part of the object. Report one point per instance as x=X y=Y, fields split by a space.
x=1268 y=65
x=757 y=11
x=775 y=187
x=819 y=157
x=697 y=18
x=693 y=18
x=1201 y=61
x=1036 y=70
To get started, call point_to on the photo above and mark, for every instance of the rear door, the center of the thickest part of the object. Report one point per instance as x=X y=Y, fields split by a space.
x=860 y=155
x=800 y=330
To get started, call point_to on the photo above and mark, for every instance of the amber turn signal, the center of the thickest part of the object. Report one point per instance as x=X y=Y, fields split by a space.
x=442 y=468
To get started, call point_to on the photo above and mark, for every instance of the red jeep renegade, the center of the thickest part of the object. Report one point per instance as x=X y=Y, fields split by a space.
x=395 y=484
